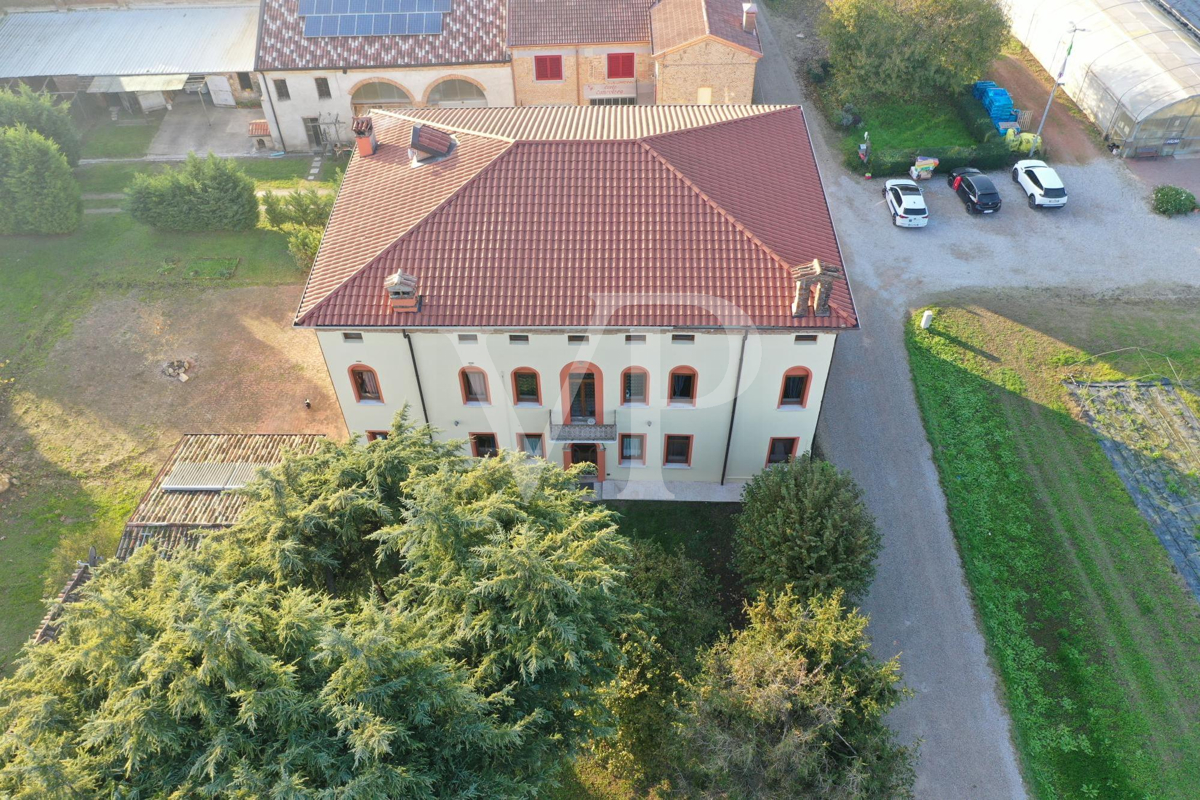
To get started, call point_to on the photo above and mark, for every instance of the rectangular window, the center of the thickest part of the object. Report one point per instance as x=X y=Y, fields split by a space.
x=793 y=390
x=245 y=82
x=323 y=88
x=633 y=390
x=805 y=338
x=314 y=132
x=633 y=449
x=526 y=384
x=483 y=444
x=547 y=68
x=531 y=444
x=518 y=338
x=281 y=90
x=682 y=338
x=620 y=65
x=376 y=436
x=475 y=386
x=351 y=336
x=366 y=385
x=635 y=338
x=678 y=451
x=781 y=450
x=683 y=388
x=468 y=338
x=577 y=338
x=613 y=101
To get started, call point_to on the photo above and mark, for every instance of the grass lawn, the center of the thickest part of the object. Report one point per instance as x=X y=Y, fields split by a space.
x=268 y=173
x=899 y=126
x=64 y=500
x=1097 y=642
x=106 y=139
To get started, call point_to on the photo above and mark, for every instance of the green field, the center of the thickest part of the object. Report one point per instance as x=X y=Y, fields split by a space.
x=1097 y=643
x=268 y=173
x=106 y=139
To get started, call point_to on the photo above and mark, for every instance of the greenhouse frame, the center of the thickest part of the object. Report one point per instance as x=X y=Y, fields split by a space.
x=1134 y=66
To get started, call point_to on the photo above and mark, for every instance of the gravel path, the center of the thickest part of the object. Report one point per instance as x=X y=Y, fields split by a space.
x=1105 y=240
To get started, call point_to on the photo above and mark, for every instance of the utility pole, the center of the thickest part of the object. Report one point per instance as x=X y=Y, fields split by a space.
x=1037 y=137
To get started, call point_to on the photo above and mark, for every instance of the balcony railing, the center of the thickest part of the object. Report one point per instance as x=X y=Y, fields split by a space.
x=584 y=429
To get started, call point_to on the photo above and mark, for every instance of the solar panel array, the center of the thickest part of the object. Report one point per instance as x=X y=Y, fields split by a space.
x=372 y=17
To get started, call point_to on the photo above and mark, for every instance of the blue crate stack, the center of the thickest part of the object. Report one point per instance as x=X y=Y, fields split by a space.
x=998 y=103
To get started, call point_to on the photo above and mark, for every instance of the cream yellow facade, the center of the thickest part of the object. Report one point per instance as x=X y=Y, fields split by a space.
x=706 y=71
x=585 y=75
x=728 y=445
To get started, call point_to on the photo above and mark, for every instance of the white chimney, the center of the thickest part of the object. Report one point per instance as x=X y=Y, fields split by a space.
x=402 y=291
x=749 y=14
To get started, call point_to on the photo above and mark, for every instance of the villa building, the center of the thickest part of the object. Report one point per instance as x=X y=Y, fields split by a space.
x=653 y=289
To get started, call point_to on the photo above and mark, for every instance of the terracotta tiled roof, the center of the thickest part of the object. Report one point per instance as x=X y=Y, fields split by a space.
x=259 y=127
x=473 y=33
x=199 y=508
x=546 y=22
x=693 y=227
x=677 y=22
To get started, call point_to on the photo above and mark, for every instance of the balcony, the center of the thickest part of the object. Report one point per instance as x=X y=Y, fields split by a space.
x=586 y=429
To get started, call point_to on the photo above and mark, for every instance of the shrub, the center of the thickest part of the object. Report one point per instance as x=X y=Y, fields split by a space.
x=1171 y=201
x=803 y=524
x=793 y=706
x=303 y=243
x=205 y=194
x=38 y=192
x=301 y=207
x=39 y=112
x=988 y=156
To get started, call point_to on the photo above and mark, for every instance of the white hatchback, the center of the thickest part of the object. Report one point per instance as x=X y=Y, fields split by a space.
x=1042 y=186
x=906 y=203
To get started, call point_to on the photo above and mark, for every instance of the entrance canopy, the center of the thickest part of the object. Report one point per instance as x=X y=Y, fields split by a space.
x=137 y=83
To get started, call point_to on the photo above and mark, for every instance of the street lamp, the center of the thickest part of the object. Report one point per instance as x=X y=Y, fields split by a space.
x=1037 y=137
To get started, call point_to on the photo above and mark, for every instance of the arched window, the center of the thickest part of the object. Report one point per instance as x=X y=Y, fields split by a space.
x=527 y=387
x=366 y=384
x=457 y=93
x=380 y=95
x=635 y=387
x=793 y=392
x=474 y=384
x=681 y=387
x=582 y=392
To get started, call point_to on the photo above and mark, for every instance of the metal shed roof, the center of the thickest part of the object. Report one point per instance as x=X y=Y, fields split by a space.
x=146 y=41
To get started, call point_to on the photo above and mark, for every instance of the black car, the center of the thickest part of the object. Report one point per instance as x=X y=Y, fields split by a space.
x=975 y=189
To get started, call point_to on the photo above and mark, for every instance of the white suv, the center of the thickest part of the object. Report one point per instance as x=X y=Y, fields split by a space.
x=907 y=204
x=1040 y=184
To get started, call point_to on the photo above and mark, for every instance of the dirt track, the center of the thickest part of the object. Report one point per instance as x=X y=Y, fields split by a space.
x=1067 y=137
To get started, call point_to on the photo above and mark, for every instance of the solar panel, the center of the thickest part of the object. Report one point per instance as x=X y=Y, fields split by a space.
x=441 y=6
x=370 y=23
x=312 y=26
x=374 y=6
x=424 y=5
x=383 y=25
x=324 y=7
x=348 y=25
x=330 y=26
x=307 y=7
x=408 y=6
x=399 y=24
x=341 y=6
x=391 y=6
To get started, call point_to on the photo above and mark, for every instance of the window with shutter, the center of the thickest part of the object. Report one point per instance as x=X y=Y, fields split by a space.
x=620 y=65
x=547 y=68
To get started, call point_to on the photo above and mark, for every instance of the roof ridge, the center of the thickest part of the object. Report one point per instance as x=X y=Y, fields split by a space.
x=421 y=223
x=728 y=217
x=404 y=115
x=775 y=108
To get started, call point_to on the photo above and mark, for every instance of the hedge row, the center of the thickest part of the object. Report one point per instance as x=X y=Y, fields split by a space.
x=38 y=191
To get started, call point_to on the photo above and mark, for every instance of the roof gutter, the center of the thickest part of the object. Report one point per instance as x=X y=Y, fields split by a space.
x=737 y=388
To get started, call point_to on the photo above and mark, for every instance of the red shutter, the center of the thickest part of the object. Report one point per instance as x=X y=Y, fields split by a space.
x=620 y=65
x=547 y=68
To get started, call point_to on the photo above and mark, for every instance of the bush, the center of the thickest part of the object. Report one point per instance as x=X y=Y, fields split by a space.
x=885 y=163
x=301 y=207
x=303 y=243
x=803 y=525
x=793 y=706
x=38 y=192
x=40 y=113
x=209 y=194
x=1171 y=201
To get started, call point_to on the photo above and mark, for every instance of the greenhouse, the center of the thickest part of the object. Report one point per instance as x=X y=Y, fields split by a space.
x=1133 y=66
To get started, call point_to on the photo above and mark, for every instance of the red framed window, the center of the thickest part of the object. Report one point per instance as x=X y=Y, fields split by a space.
x=793 y=392
x=366 y=384
x=376 y=436
x=474 y=384
x=781 y=449
x=635 y=387
x=532 y=444
x=681 y=387
x=547 y=68
x=483 y=445
x=677 y=450
x=632 y=449
x=527 y=387
x=582 y=386
x=620 y=65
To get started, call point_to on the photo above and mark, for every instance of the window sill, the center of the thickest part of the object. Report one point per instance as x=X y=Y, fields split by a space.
x=677 y=466
x=630 y=465
x=792 y=408
x=635 y=405
x=676 y=404
x=476 y=404
x=527 y=405
x=370 y=402
x=550 y=80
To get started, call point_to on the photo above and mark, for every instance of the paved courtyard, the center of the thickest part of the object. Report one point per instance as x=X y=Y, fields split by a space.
x=1105 y=241
x=189 y=127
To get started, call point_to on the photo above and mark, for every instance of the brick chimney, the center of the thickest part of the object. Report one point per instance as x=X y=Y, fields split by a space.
x=814 y=282
x=749 y=18
x=402 y=291
x=364 y=136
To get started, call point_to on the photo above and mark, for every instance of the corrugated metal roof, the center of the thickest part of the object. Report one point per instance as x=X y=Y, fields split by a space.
x=144 y=41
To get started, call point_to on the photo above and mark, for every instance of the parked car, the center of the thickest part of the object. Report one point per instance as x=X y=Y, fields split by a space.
x=976 y=190
x=1040 y=183
x=906 y=203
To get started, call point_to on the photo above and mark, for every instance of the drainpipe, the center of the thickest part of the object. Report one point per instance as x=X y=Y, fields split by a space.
x=737 y=387
x=412 y=353
x=270 y=104
x=578 y=80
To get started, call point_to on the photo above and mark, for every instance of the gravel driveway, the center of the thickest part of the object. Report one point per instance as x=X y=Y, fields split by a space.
x=1106 y=239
